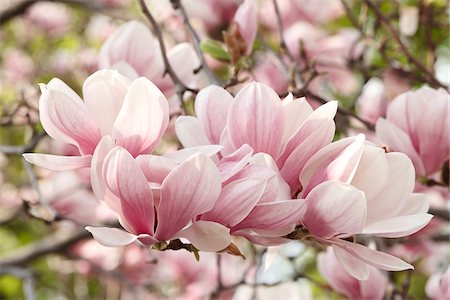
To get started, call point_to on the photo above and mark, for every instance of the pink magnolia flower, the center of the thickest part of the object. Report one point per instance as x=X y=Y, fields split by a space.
x=354 y=187
x=52 y=17
x=372 y=288
x=190 y=189
x=289 y=130
x=438 y=286
x=418 y=124
x=247 y=19
x=131 y=114
x=372 y=103
x=133 y=51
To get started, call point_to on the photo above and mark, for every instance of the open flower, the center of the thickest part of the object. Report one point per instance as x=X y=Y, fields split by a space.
x=417 y=124
x=132 y=114
x=190 y=189
x=353 y=187
x=289 y=130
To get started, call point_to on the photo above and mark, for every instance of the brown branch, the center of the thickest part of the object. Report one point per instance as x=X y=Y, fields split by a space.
x=441 y=213
x=196 y=40
x=387 y=23
x=23 y=148
x=281 y=30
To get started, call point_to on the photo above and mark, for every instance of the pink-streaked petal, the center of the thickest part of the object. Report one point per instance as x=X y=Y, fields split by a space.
x=398 y=226
x=155 y=168
x=211 y=107
x=351 y=264
x=398 y=140
x=334 y=165
x=104 y=92
x=105 y=145
x=374 y=258
x=335 y=208
x=143 y=118
x=190 y=132
x=264 y=130
x=59 y=85
x=295 y=114
x=126 y=180
x=125 y=69
x=417 y=204
x=191 y=189
x=236 y=201
x=207 y=236
x=261 y=240
x=233 y=163
x=66 y=119
x=247 y=19
x=273 y=215
x=397 y=191
x=184 y=61
x=183 y=154
x=111 y=237
x=58 y=162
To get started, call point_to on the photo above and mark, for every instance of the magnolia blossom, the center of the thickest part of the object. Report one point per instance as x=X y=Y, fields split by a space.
x=438 y=286
x=133 y=51
x=417 y=123
x=131 y=114
x=372 y=288
x=289 y=130
x=246 y=19
x=353 y=187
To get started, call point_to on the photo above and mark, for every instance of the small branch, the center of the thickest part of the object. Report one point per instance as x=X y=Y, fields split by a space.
x=23 y=148
x=441 y=213
x=56 y=242
x=196 y=40
x=281 y=30
x=180 y=86
x=28 y=280
x=387 y=23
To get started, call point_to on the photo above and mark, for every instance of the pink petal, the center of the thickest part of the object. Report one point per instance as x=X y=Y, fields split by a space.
x=57 y=162
x=111 y=237
x=351 y=264
x=337 y=161
x=236 y=201
x=398 y=140
x=259 y=239
x=233 y=163
x=374 y=258
x=417 y=204
x=190 y=132
x=183 y=154
x=398 y=226
x=295 y=113
x=155 y=168
x=247 y=18
x=126 y=180
x=207 y=236
x=185 y=61
x=104 y=92
x=66 y=119
x=97 y=181
x=211 y=107
x=335 y=208
x=191 y=189
x=143 y=118
x=264 y=130
x=273 y=215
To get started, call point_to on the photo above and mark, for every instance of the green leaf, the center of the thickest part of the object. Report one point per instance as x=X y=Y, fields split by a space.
x=215 y=50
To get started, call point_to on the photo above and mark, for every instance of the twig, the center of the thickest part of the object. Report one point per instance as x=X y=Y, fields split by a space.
x=27 y=277
x=387 y=23
x=441 y=213
x=281 y=30
x=196 y=40
x=180 y=86
x=23 y=148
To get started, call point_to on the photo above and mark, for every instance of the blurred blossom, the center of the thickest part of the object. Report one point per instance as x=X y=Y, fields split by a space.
x=17 y=66
x=247 y=20
x=114 y=3
x=438 y=285
x=372 y=103
x=373 y=288
x=409 y=20
x=54 y=18
x=62 y=62
x=441 y=69
x=100 y=28
x=272 y=74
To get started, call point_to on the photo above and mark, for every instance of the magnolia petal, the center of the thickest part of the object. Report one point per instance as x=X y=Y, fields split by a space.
x=207 y=236
x=335 y=208
x=264 y=130
x=126 y=180
x=295 y=114
x=211 y=107
x=398 y=226
x=111 y=237
x=58 y=162
x=183 y=154
x=352 y=265
x=235 y=162
x=191 y=189
x=185 y=61
x=372 y=257
x=155 y=168
x=97 y=181
x=417 y=204
x=247 y=19
x=190 y=132
x=104 y=92
x=143 y=118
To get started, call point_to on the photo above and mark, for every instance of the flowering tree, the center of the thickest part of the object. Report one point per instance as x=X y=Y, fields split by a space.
x=222 y=149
